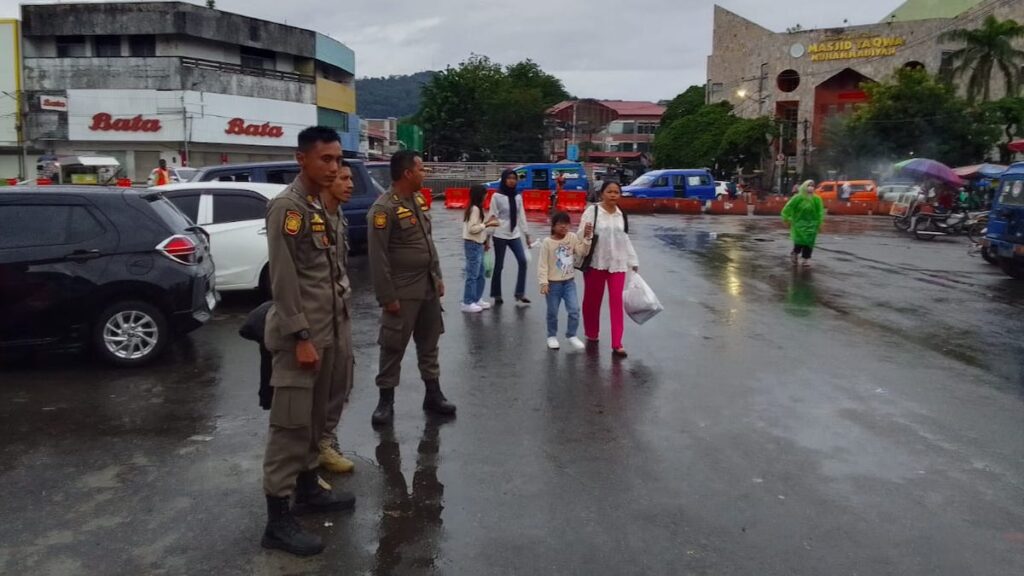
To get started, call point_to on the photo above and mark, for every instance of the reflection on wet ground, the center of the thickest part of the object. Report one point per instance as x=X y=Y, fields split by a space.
x=861 y=416
x=410 y=522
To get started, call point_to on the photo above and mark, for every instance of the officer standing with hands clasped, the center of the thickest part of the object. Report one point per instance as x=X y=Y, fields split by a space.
x=303 y=332
x=407 y=279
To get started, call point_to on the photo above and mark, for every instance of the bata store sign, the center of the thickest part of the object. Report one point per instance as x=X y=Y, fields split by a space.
x=104 y=122
x=238 y=127
x=249 y=121
x=171 y=116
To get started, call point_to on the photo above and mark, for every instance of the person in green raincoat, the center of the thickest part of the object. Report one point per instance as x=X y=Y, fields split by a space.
x=804 y=214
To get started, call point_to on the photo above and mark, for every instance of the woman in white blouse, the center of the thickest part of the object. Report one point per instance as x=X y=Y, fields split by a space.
x=507 y=207
x=612 y=256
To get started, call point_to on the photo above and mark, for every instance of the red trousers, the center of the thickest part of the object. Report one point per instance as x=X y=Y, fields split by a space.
x=593 y=294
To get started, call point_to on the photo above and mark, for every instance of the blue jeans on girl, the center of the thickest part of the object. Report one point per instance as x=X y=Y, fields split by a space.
x=559 y=292
x=474 y=272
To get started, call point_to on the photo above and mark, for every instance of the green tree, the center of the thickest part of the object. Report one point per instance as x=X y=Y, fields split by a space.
x=693 y=141
x=481 y=111
x=688 y=102
x=912 y=115
x=986 y=49
x=746 y=142
x=1007 y=113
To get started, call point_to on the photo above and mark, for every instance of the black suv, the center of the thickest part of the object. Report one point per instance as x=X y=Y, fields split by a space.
x=364 y=194
x=117 y=268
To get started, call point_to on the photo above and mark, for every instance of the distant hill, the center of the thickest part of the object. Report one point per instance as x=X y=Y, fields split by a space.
x=392 y=96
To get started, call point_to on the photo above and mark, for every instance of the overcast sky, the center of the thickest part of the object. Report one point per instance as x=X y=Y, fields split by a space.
x=639 y=50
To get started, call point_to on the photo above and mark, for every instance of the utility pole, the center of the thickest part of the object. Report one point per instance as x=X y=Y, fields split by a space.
x=761 y=80
x=807 y=145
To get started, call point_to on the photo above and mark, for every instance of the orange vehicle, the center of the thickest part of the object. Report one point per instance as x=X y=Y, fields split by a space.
x=860 y=190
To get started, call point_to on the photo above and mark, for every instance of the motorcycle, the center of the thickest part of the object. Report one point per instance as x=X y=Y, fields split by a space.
x=905 y=208
x=930 y=225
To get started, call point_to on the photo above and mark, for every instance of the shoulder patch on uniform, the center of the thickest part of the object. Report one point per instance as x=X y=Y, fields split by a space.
x=292 y=222
x=380 y=220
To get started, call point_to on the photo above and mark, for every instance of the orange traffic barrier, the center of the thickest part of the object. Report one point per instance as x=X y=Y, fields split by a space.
x=43 y=181
x=12 y=181
x=572 y=201
x=842 y=208
x=456 y=197
x=428 y=195
x=487 y=199
x=735 y=207
x=124 y=182
x=637 y=205
x=535 y=200
x=771 y=206
x=882 y=208
x=678 y=205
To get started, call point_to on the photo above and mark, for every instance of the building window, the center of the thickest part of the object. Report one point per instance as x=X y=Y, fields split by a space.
x=142 y=46
x=643 y=146
x=946 y=63
x=70 y=46
x=629 y=127
x=108 y=46
x=716 y=92
x=256 y=58
x=625 y=147
x=646 y=128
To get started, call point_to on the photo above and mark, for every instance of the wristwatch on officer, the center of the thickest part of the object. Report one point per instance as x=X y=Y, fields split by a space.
x=302 y=335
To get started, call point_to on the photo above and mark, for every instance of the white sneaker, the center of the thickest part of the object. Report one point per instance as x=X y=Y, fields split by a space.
x=553 y=343
x=471 y=308
x=577 y=343
x=484 y=305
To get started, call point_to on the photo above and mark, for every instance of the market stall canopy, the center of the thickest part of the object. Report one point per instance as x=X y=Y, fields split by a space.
x=980 y=171
x=88 y=161
x=929 y=169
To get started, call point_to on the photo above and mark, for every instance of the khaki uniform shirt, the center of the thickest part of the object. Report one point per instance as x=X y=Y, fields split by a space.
x=403 y=258
x=306 y=273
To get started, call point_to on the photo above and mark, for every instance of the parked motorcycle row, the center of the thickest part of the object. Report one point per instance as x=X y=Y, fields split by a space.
x=913 y=213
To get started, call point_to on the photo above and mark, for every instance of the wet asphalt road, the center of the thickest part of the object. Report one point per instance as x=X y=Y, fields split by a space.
x=861 y=417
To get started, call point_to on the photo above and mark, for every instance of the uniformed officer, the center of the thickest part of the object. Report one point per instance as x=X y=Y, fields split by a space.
x=303 y=333
x=407 y=279
x=330 y=454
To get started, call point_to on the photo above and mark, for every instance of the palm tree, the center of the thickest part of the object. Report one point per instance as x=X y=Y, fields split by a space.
x=985 y=48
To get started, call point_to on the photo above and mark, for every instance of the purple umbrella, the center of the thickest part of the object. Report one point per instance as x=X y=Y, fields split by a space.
x=925 y=168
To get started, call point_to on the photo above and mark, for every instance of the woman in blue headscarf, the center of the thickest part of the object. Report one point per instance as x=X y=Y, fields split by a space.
x=507 y=207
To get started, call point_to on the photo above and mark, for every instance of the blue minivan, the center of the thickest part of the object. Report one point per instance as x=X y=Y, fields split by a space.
x=1004 y=240
x=673 y=183
x=542 y=176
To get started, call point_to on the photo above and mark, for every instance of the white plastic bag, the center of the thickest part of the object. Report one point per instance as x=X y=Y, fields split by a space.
x=639 y=300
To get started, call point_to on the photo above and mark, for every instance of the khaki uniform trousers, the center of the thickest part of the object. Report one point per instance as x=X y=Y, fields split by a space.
x=344 y=375
x=299 y=414
x=419 y=319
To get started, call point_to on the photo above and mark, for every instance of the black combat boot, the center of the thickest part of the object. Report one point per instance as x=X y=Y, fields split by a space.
x=311 y=496
x=384 y=415
x=283 y=531
x=434 y=400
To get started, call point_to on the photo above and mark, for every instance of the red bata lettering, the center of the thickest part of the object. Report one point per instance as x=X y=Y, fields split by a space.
x=239 y=127
x=105 y=122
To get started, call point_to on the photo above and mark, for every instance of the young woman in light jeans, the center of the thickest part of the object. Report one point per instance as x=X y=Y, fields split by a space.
x=474 y=240
x=612 y=256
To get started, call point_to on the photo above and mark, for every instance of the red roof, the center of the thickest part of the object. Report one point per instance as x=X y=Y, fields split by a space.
x=622 y=155
x=634 y=107
x=620 y=107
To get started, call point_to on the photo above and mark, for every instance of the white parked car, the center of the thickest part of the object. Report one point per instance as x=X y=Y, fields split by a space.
x=233 y=214
x=720 y=190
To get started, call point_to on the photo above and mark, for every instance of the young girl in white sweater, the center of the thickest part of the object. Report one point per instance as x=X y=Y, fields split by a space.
x=556 y=271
